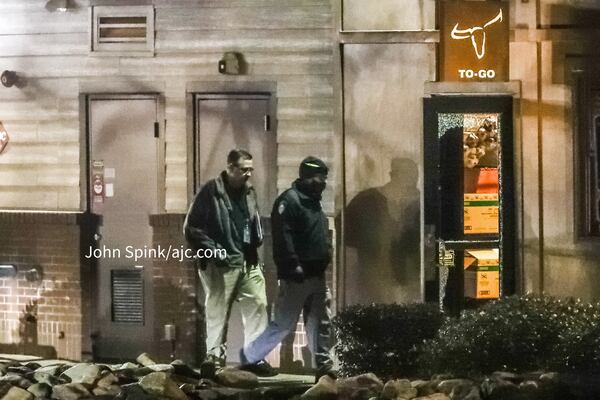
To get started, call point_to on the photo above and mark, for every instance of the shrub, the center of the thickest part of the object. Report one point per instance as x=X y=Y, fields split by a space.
x=519 y=334
x=384 y=338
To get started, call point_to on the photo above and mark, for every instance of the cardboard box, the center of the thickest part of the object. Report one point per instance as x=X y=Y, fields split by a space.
x=481 y=213
x=482 y=273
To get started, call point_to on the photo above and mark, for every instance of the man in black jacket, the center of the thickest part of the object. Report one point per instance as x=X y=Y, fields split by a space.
x=224 y=220
x=302 y=252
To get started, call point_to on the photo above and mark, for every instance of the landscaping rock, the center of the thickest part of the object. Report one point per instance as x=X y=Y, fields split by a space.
x=70 y=391
x=208 y=370
x=159 y=384
x=50 y=369
x=549 y=377
x=447 y=386
x=145 y=360
x=359 y=387
x=435 y=396
x=84 y=373
x=465 y=392
x=284 y=392
x=111 y=390
x=182 y=369
x=324 y=389
x=507 y=376
x=425 y=388
x=16 y=380
x=168 y=368
x=42 y=390
x=134 y=391
x=107 y=379
x=398 y=389
x=16 y=393
x=33 y=365
x=236 y=378
x=119 y=367
x=45 y=377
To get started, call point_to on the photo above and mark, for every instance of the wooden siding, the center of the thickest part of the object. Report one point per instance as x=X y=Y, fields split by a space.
x=287 y=42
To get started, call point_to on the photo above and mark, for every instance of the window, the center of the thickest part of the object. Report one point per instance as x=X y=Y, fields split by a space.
x=123 y=30
x=588 y=148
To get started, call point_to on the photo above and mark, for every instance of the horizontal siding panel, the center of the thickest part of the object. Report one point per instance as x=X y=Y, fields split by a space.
x=19 y=23
x=298 y=151
x=303 y=136
x=206 y=64
x=44 y=45
x=244 y=18
x=313 y=86
x=35 y=5
x=237 y=3
x=244 y=41
x=295 y=108
x=28 y=175
x=74 y=66
x=33 y=198
x=61 y=154
x=176 y=153
x=45 y=132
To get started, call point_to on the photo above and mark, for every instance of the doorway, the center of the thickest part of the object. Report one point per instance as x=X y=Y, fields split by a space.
x=124 y=148
x=469 y=198
x=225 y=121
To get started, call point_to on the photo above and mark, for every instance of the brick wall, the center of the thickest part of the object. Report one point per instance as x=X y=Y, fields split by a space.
x=174 y=299
x=50 y=243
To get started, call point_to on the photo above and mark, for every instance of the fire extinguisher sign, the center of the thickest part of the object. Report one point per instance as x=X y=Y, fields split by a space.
x=98 y=192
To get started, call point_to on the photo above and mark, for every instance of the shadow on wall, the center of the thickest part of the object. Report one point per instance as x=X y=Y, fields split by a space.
x=382 y=226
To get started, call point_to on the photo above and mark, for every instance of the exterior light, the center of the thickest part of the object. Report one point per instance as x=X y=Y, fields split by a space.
x=3 y=138
x=57 y=5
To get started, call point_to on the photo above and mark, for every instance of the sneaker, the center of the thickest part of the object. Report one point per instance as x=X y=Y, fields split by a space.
x=261 y=368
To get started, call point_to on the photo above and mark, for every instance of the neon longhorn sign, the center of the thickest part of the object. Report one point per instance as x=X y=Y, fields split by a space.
x=476 y=33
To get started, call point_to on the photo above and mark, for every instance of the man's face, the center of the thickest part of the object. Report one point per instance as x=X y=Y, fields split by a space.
x=318 y=182
x=239 y=173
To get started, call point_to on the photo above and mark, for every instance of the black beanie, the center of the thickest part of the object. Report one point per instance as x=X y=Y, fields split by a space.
x=311 y=166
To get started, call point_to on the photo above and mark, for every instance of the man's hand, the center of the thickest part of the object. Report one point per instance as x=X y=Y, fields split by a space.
x=297 y=275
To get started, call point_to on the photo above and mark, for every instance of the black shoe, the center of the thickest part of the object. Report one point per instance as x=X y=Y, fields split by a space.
x=261 y=368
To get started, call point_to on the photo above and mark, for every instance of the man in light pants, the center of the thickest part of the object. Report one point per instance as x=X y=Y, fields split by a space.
x=224 y=218
x=302 y=252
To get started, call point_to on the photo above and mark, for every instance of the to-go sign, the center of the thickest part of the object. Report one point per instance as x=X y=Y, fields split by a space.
x=481 y=74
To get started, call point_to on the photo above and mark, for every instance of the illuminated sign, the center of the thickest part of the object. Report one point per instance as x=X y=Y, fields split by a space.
x=474 y=41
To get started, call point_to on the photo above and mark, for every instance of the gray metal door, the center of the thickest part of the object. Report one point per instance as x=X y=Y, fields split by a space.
x=123 y=167
x=225 y=122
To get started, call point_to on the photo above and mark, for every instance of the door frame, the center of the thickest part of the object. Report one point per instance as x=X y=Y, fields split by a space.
x=476 y=103
x=194 y=89
x=90 y=221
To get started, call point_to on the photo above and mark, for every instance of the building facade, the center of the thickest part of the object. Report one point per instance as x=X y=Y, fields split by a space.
x=120 y=110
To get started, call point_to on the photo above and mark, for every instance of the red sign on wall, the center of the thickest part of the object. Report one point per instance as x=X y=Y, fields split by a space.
x=474 y=41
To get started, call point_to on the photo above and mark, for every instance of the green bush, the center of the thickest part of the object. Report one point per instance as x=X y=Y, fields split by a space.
x=518 y=334
x=384 y=338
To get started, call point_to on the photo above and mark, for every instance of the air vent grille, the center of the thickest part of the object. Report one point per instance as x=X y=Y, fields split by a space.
x=123 y=30
x=127 y=294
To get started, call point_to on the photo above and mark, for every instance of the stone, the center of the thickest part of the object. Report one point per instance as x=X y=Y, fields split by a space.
x=498 y=389
x=33 y=365
x=40 y=390
x=529 y=385
x=107 y=379
x=16 y=380
x=62 y=368
x=45 y=377
x=448 y=385
x=159 y=384
x=145 y=360
x=111 y=390
x=398 y=389
x=284 y=392
x=506 y=376
x=359 y=387
x=464 y=392
x=208 y=370
x=133 y=391
x=70 y=391
x=549 y=377
x=236 y=378
x=21 y=370
x=182 y=369
x=119 y=367
x=50 y=369
x=425 y=388
x=168 y=368
x=17 y=393
x=84 y=373
x=434 y=396
x=324 y=389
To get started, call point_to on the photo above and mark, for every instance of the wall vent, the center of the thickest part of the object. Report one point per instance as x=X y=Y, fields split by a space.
x=118 y=30
x=127 y=296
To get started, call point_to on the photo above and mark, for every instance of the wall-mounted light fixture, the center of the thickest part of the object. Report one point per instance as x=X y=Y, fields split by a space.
x=57 y=5
x=9 y=78
x=3 y=137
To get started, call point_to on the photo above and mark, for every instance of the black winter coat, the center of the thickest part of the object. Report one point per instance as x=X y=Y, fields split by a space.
x=300 y=234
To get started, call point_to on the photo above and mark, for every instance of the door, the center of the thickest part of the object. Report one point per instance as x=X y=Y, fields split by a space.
x=225 y=122
x=123 y=176
x=469 y=198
